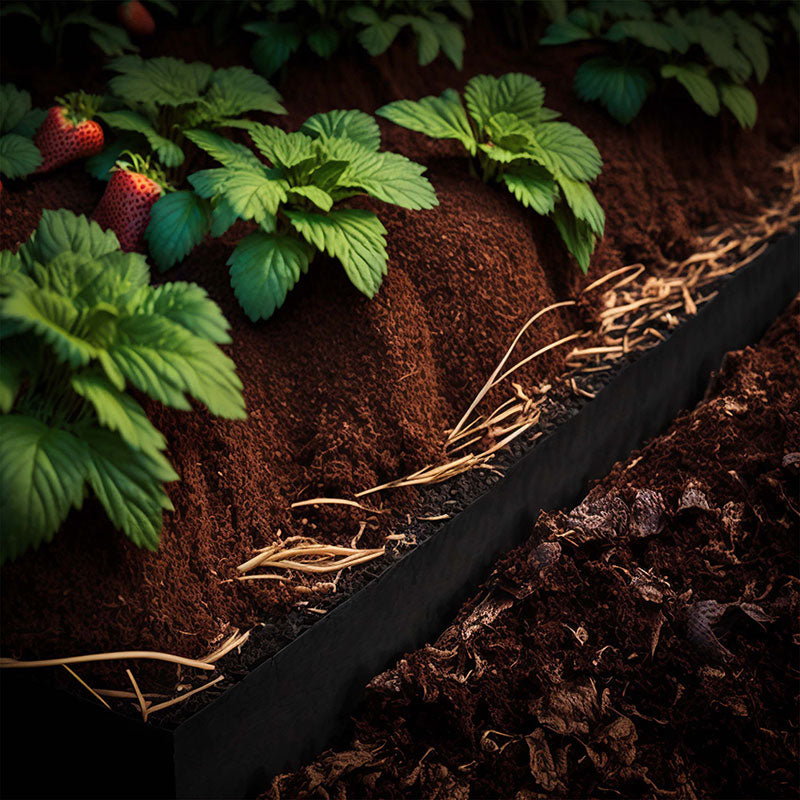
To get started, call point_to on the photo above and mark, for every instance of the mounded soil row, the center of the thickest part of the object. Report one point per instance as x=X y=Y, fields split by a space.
x=345 y=393
x=644 y=644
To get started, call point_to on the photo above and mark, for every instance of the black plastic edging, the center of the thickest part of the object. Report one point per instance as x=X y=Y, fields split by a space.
x=289 y=708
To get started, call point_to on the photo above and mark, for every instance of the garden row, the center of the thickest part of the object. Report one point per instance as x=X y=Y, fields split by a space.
x=94 y=337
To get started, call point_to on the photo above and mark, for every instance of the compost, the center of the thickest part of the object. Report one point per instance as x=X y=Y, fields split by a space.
x=344 y=394
x=642 y=644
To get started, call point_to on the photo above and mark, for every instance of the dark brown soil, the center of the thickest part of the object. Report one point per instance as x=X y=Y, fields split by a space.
x=643 y=645
x=343 y=393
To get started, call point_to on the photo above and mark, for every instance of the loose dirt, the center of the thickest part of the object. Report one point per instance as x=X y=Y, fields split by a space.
x=345 y=393
x=643 y=644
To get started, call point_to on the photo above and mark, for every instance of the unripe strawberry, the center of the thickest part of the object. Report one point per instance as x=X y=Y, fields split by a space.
x=125 y=207
x=68 y=132
x=136 y=18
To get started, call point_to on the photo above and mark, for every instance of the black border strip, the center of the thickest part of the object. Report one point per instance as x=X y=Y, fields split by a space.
x=291 y=706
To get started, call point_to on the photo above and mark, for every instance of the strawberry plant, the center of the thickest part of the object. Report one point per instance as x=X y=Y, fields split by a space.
x=19 y=156
x=161 y=99
x=57 y=21
x=295 y=200
x=69 y=132
x=322 y=25
x=711 y=53
x=80 y=323
x=514 y=141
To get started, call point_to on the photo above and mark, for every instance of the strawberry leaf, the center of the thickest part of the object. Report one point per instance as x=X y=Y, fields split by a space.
x=514 y=93
x=694 y=78
x=532 y=185
x=741 y=103
x=18 y=156
x=565 y=149
x=621 y=88
x=264 y=267
x=355 y=125
x=178 y=223
x=42 y=472
x=354 y=237
x=583 y=203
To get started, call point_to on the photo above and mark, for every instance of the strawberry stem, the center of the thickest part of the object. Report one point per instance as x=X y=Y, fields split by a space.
x=80 y=106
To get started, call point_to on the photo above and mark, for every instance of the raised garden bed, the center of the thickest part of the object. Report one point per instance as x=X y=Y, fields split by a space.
x=635 y=645
x=345 y=395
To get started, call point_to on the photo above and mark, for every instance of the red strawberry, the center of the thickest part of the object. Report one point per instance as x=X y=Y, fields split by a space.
x=125 y=206
x=68 y=132
x=136 y=18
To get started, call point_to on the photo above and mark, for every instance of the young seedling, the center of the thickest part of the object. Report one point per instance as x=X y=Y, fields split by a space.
x=295 y=200
x=322 y=25
x=80 y=323
x=19 y=156
x=710 y=53
x=69 y=131
x=513 y=140
x=161 y=99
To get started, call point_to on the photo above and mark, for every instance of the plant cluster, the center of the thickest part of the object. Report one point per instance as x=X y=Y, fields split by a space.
x=159 y=99
x=295 y=200
x=711 y=52
x=55 y=20
x=512 y=136
x=322 y=25
x=80 y=323
x=19 y=156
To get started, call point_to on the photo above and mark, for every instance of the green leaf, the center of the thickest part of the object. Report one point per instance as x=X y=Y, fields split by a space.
x=425 y=34
x=164 y=360
x=178 y=223
x=18 y=156
x=161 y=81
x=42 y=472
x=353 y=236
x=695 y=80
x=111 y=39
x=378 y=34
x=650 y=33
x=60 y=231
x=119 y=412
x=54 y=318
x=223 y=150
x=751 y=43
x=386 y=176
x=264 y=267
x=509 y=131
x=355 y=125
x=188 y=305
x=741 y=103
x=621 y=88
x=128 y=483
x=565 y=149
x=281 y=148
x=532 y=185
x=19 y=356
x=718 y=42
x=236 y=90
x=440 y=117
x=583 y=203
x=255 y=197
x=451 y=39
x=30 y=123
x=514 y=92
x=565 y=31
x=14 y=105
x=222 y=217
x=577 y=236
x=167 y=151
x=277 y=41
x=323 y=41
x=320 y=198
x=100 y=166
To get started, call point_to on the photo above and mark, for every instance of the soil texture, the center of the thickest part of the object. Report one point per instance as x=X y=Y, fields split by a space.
x=345 y=393
x=644 y=644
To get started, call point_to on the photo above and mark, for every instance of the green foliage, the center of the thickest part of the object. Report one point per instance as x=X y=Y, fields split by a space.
x=80 y=323
x=322 y=25
x=711 y=51
x=19 y=156
x=159 y=100
x=56 y=22
x=514 y=140
x=294 y=199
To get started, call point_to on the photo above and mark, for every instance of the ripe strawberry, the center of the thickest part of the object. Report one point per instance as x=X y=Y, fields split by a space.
x=69 y=132
x=125 y=206
x=136 y=18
